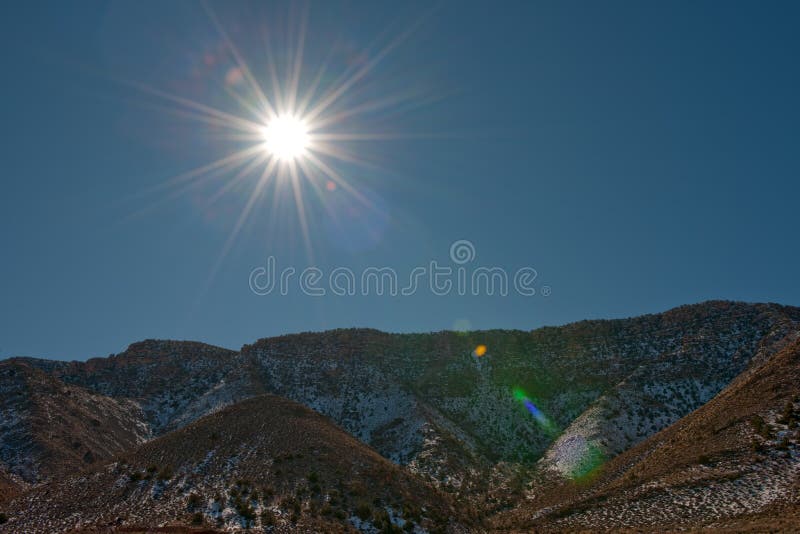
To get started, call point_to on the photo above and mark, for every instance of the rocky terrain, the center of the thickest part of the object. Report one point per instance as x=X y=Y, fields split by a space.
x=264 y=462
x=51 y=429
x=733 y=462
x=672 y=420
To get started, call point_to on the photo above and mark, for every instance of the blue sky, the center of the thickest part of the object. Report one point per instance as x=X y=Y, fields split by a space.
x=638 y=155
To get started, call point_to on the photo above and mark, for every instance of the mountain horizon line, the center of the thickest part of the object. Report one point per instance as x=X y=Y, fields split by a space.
x=366 y=329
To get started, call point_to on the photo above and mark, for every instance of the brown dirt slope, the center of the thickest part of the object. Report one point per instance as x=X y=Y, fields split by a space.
x=263 y=461
x=733 y=464
x=50 y=428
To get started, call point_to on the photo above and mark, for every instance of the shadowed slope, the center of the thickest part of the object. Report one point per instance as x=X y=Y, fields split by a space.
x=50 y=429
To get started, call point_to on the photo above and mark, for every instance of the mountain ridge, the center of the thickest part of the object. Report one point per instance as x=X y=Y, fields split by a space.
x=547 y=406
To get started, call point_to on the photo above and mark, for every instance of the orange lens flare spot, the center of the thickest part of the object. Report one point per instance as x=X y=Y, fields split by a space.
x=479 y=351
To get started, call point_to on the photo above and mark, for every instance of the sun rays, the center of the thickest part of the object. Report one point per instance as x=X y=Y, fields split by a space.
x=293 y=128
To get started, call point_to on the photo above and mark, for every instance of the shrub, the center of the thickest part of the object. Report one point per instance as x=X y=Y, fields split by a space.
x=165 y=474
x=313 y=477
x=333 y=497
x=410 y=512
x=381 y=520
x=290 y=503
x=3 y=518
x=244 y=509
x=761 y=428
x=197 y=519
x=267 y=518
x=704 y=459
x=136 y=476
x=193 y=501
x=788 y=414
x=357 y=489
x=364 y=511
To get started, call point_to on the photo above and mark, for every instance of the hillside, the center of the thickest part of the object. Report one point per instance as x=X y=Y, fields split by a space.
x=521 y=434
x=49 y=429
x=174 y=382
x=266 y=461
x=732 y=464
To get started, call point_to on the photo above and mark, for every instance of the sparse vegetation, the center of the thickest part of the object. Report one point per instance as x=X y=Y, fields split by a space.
x=761 y=428
x=193 y=501
x=267 y=518
x=165 y=474
x=363 y=511
x=329 y=477
x=290 y=503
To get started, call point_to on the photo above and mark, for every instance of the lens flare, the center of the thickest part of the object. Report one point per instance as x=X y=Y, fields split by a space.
x=541 y=419
x=286 y=138
x=576 y=458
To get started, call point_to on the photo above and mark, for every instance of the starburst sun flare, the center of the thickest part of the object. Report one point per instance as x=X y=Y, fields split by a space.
x=289 y=130
x=286 y=137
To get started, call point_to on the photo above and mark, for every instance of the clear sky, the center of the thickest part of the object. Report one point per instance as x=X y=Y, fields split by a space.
x=638 y=155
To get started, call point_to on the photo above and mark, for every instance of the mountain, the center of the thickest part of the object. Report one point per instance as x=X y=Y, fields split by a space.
x=733 y=464
x=515 y=436
x=266 y=461
x=174 y=382
x=50 y=429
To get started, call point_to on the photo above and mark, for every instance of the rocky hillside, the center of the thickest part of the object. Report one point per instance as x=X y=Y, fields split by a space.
x=48 y=428
x=612 y=383
x=539 y=410
x=174 y=382
x=264 y=462
x=732 y=464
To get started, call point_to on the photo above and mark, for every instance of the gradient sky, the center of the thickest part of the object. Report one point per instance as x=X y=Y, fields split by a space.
x=638 y=155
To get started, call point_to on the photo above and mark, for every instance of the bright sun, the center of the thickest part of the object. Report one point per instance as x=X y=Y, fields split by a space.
x=286 y=137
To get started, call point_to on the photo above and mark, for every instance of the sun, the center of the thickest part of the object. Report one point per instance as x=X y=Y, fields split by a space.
x=286 y=137
x=289 y=136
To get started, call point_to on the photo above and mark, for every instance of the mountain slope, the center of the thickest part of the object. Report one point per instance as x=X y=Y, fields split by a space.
x=49 y=428
x=266 y=461
x=734 y=463
x=431 y=388
x=538 y=410
x=174 y=382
